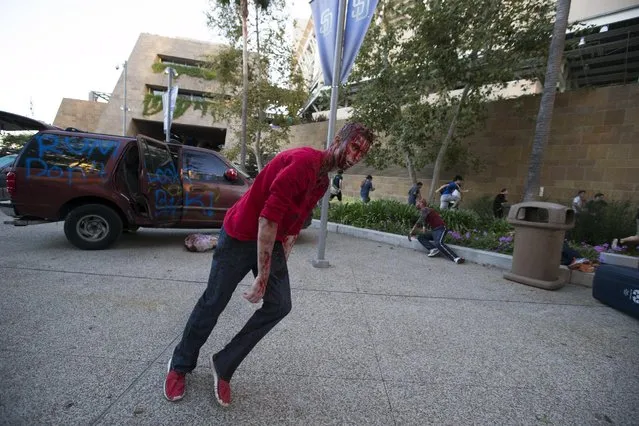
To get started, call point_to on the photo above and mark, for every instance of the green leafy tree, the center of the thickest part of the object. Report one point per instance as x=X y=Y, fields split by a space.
x=544 y=116
x=275 y=86
x=242 y=7
x=428 y=69
x=12 y=143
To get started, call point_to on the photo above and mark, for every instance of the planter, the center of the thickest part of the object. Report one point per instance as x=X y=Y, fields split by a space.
x=620 y=260
x=481 y=257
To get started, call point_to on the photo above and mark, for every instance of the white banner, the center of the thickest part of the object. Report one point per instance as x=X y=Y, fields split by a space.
x=165 y=106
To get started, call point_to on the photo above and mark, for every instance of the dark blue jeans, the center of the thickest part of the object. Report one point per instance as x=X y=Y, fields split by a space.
x=568 y=254
x=232 y=260
x=435 y=239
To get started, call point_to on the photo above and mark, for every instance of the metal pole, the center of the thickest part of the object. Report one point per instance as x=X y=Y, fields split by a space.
x=168 y=96
x=321 y=262
x=125 y=106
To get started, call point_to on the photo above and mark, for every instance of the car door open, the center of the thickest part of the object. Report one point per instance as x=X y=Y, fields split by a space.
x=160 y=182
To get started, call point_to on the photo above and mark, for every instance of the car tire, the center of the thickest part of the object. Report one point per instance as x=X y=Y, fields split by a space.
x=92 y=226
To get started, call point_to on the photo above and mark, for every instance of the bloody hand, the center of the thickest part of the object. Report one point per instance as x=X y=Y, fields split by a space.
x=255 y=293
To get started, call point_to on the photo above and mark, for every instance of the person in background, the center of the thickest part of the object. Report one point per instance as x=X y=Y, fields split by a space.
x=447 y=192
x=336 y=186
x=433 y=241
x=579 y=202
x=498 y=203
x=365 y=189
x=599 y=198
x=597 y=204
x=414 y=193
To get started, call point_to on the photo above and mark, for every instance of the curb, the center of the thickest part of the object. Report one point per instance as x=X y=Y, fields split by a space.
x=481 y=257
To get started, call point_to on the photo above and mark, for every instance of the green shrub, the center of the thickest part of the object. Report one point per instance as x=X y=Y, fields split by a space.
x=471 y=229
x=498 y=226
x=381 y=215
x=600 y=225
x=483 y=206
x=461 y=220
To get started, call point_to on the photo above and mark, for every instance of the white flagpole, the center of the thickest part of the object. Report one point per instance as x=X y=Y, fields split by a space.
x=321 y=262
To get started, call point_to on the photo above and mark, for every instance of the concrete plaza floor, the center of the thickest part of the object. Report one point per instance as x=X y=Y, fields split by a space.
x=384 y=336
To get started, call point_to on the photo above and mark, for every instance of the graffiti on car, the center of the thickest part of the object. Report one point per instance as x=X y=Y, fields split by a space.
x=170 y=195
x=71 y=158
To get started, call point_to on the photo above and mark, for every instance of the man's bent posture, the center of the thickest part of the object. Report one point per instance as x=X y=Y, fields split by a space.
x=257 y=235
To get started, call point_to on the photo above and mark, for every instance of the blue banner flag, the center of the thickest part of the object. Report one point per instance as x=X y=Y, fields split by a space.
x=358 y=17
x=325 y=22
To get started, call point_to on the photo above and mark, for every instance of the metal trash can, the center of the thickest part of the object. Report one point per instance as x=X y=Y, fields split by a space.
x=540 y=230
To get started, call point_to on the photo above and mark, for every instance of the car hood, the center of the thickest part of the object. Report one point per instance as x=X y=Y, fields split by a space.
x=11 y=122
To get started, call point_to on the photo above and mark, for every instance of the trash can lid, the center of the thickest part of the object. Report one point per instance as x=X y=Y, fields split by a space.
x=541 y=213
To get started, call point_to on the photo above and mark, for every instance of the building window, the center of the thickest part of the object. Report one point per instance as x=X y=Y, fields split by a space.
x=189 y=95
x=185 y=62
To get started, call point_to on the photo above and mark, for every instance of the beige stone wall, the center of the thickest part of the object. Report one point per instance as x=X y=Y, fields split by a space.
x=594 y=145
x=83 y=115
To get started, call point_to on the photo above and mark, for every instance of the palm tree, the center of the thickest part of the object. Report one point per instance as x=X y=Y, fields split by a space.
x=544 y=117
x=243 y=4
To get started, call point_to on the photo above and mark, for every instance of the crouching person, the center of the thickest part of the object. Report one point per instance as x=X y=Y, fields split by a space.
x=434 y=239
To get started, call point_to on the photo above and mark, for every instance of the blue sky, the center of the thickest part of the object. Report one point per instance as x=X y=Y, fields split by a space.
x=66 y=48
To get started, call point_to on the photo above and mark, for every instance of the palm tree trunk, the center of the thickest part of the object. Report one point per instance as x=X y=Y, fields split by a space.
x=411 y=169
x=447 y=140
x=245 y=82
x=546 y=106
x=258 y=137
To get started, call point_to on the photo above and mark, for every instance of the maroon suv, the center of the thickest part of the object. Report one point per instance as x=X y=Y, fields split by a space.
x=101 y=185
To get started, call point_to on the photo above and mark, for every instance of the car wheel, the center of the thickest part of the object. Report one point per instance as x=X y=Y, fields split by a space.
x=92 y=226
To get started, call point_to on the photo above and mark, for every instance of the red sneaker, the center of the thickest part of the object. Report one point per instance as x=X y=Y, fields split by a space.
x=222 y=387
x=174 y=384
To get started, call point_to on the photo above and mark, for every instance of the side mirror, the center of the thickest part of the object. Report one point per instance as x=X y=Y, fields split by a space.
x=230 y=175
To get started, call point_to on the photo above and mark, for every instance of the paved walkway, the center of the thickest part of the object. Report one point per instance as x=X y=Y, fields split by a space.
x=385 y=336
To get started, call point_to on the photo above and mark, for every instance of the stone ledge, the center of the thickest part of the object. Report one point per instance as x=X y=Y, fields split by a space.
x=620 y=260
x=481 y=257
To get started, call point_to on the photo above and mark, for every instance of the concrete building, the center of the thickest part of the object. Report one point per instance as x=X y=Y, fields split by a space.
x=196 y=122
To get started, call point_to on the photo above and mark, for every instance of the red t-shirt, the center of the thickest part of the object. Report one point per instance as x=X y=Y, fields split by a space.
x=285 y=192
x=431 y=217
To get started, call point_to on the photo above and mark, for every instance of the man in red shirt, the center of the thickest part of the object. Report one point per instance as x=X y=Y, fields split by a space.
x=434 y=239
x=258 y=234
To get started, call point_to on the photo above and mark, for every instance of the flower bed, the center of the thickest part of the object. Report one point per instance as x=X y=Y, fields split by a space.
x=468 y=228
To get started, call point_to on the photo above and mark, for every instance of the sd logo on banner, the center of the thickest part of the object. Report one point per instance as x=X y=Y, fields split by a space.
x=358 y=17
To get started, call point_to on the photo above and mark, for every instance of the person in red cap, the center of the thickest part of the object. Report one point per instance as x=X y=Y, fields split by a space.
x=257 y=235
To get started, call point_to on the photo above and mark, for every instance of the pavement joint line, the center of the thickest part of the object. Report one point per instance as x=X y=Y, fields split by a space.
x=134 y=382
x=97 y=274
x=358 y=293
x=363 y=379
x=66 y=353
x=435 y=384
x=377 y=360
x=351 y=379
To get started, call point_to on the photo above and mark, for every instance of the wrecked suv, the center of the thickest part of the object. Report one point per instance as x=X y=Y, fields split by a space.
x=101 y=185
